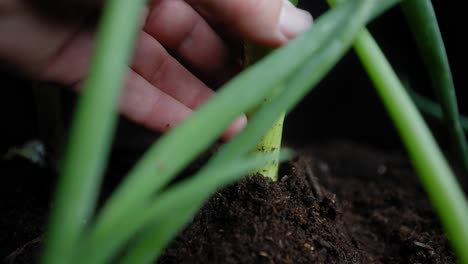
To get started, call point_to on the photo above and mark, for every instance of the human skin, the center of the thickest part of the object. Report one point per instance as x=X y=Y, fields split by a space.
x=48 y=42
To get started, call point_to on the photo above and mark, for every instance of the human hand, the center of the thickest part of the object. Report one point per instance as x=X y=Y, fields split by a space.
x=160 y=91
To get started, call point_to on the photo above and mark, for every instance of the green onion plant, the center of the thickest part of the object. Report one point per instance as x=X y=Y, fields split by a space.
x=422 y=21
x=145 y=213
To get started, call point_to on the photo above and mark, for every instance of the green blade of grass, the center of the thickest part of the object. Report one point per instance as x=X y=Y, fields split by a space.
x=92 y=130
x=435 y=174
x=423 y=22
x=171 y=153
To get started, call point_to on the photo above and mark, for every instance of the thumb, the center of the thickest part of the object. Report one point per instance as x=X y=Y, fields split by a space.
x=266 y=22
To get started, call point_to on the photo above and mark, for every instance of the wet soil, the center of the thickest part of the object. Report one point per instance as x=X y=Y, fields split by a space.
x=335 y=203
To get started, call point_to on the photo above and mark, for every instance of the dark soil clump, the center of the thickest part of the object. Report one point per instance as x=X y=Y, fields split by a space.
x=339 y=204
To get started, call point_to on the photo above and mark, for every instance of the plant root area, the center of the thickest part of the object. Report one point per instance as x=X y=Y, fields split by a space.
x=335 y=203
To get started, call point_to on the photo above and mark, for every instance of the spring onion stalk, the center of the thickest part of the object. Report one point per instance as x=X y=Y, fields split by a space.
x=271 y=141
x=437 y=178
x=92 y=130
x=422 y=20
x=435 y=174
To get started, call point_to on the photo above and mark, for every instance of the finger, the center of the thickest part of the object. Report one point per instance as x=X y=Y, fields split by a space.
x=178 y=27
x=27 y=41
x=160 y=69
x=141 y=101
x=144 y=104
x=268 y=22
x=150 y=60
x=70 y=65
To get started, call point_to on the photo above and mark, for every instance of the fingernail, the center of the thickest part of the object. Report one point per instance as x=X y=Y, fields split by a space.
x=293 y=21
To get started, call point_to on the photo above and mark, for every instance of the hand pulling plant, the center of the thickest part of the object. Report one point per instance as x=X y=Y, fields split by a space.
x=148 y=214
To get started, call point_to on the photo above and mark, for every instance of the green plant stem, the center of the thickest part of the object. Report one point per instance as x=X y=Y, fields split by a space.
x=435 y=175
x=423 y=22
x=271 y=141
x=92 y=129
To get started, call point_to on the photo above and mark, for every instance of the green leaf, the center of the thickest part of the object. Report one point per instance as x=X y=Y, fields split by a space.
x=435 y=174
x=423 y=22
x=92 y=130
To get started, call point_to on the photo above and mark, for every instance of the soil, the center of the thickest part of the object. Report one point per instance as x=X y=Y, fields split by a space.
x=336 y=203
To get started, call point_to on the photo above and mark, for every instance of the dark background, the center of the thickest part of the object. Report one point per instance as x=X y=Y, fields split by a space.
x=344 y=106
